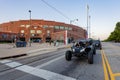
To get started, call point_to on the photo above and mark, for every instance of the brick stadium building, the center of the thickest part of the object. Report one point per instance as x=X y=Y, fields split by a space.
x=40 y=30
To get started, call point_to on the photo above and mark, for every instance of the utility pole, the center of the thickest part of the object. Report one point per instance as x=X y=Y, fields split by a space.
x=29 y=29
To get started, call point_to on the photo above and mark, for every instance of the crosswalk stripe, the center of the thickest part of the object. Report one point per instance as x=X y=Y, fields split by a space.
x=45 y=74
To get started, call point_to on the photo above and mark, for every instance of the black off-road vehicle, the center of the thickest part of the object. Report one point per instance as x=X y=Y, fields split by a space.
x=82 y=48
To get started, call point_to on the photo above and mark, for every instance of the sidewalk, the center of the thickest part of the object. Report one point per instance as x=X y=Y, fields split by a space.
x=8 y=51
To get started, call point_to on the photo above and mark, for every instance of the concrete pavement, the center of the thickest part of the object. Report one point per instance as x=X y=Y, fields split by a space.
x=9 y=51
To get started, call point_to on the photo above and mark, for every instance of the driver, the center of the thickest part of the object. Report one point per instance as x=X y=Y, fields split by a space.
x=77 y=44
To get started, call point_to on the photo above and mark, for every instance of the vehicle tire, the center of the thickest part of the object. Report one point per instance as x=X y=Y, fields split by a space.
x=68 y=55
x=94 y=51
x=100 y=48
x=90 y=57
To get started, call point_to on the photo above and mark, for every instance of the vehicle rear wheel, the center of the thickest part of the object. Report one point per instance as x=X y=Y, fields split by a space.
x=68 y=55
x=90 y=57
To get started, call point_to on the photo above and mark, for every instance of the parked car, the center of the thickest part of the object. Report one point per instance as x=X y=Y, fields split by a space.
x=98 y=44
x=82 y=48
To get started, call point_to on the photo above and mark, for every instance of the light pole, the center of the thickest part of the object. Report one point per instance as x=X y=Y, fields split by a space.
x=73 y=20
x=66 y=41
x=29 y=29
x=89 y=26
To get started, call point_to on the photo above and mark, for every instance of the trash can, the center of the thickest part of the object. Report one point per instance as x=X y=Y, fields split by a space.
x=24 y=43
x=20 y=44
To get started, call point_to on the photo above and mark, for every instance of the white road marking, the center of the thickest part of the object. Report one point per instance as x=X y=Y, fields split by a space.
x=5 y=61
x=49 y=62
x=48 y=75
x=13 y=64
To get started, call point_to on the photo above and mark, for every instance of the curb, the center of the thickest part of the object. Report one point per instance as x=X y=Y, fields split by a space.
x=37 y=50
x=13 y=56
x=33 y=51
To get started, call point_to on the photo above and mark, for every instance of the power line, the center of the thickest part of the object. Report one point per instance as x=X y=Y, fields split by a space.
x=56 y=9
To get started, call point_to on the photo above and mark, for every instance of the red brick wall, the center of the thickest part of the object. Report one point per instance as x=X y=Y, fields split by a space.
x=17 y=26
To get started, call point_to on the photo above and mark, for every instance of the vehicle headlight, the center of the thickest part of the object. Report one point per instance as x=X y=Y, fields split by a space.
x=82 y=50
x=73 y=50
x=96 y=44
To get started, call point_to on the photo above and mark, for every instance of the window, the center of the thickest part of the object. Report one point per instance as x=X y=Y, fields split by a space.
x=70 y=28
x=62 y=27
x=22 y=31
x=27 y=26
x=51 y=26
x=35 y=27
x=32 y=31
x=66 y=28
x=22 y=25
x=45 y=26
x=56 y=27
x=39 y=31
x=32 y=34
x=48 y=31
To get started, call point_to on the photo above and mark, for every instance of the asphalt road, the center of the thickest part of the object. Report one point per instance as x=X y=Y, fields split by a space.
x=112 y=53
x=53 y=66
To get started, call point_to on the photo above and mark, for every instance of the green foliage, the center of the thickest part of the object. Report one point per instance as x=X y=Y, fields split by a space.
x=115 y=35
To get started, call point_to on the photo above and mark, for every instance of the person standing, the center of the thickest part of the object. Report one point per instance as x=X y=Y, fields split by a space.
x=54 y=42
x=50 y=42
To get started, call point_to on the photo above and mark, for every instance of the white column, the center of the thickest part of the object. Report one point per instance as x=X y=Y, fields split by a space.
x=66 y=38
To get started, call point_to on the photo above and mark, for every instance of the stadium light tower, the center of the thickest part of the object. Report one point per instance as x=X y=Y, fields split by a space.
x=89 y=26
x=87 y=19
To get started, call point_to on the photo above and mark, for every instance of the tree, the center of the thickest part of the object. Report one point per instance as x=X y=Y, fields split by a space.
x=115 y=35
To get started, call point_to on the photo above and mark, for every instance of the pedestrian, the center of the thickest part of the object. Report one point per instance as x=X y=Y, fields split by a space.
x=54 y=42
x=15 y=41
x=50 y=42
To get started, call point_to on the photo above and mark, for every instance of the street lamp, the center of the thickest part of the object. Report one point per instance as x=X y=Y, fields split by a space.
x=66 y=36
x=73 y=21
x=29 y=28
x=89 y=26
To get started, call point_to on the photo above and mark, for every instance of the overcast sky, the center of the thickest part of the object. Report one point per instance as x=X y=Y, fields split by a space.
x=104 y=13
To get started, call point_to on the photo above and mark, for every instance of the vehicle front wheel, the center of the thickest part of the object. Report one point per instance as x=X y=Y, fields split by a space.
x=68 y=55
x=90 y=57
x=100 y=48
x=94 y=51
